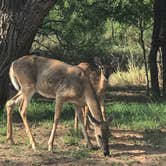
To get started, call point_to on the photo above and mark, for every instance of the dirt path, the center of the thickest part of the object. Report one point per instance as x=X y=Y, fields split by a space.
x=127 y=148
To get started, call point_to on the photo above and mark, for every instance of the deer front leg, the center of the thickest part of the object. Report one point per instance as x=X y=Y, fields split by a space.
x=80 y=118
x=86 y=122
x=75 y=120
x=102 y=106
x=23 y=107
x=58 y=109
x=9 y=123
x=9 y=108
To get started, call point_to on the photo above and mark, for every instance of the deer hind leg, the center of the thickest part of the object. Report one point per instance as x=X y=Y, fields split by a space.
x=9 y=108
x=75 y=120
x=85 y=111
x=103 y=111
x=80 y=118
x=58 y=108
x=23 y=107
x=86 y=122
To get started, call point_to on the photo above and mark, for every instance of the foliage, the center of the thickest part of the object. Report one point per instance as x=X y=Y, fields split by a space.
x=77 y=31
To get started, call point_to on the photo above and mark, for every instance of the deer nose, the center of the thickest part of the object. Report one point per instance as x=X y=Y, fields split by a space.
x=106 y=153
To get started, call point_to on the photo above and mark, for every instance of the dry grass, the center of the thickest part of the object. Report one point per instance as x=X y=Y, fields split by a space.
x=134 y=76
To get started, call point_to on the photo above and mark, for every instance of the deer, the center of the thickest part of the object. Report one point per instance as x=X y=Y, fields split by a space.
x=63 y=82
x=99 y=81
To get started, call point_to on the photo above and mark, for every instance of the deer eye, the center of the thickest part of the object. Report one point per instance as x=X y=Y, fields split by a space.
x=99 y=136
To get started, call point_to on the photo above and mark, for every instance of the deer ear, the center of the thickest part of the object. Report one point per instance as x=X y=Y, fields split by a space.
x=97 y=61
x=92 y=120
x=109 y=119
x=114 y=61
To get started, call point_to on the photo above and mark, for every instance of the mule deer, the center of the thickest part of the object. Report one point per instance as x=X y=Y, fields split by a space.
x=62 y=82
x=99 y=82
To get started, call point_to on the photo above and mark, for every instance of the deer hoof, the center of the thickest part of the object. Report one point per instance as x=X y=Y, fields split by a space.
x=34 y=147
x=10 y=141
x=89 y=145
x=50 y=149
x=95 y=148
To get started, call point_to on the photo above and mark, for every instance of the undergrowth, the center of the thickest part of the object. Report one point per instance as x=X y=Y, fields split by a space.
x=134 y=76
x=125 y=115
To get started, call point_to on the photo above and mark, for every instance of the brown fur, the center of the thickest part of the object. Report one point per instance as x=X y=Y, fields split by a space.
x=99 y=83
x=54 y=79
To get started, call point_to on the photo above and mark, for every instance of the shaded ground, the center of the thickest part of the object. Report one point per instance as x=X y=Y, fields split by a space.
x=147 y=147
x=127 y=148
x=128 y=94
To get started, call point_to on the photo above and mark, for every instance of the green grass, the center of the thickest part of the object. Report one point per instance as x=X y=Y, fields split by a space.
x=72 y=137
x=3 y=130
x=125 y=115
x=82 y=153
x=138 y=115
x=69 y=140
x=38 y=111
x=41 y=111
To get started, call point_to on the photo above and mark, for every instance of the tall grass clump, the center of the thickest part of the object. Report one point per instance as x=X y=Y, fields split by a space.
x=134 y=76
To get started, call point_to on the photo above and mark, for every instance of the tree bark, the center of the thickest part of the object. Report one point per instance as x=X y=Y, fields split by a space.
x=154 y=48
x=154 y=71
x=142 y=43
x=19 y=22
x=164 y=69
x=163 y=42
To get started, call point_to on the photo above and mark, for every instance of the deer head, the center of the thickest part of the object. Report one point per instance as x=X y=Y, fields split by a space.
x=102 y=133
x=108 y=68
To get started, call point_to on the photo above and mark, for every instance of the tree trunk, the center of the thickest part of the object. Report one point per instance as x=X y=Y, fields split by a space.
x=154 y=48
x=142 y=43
x=154 y=71
x=19 y=22
x=164 y=69
x=162 y=37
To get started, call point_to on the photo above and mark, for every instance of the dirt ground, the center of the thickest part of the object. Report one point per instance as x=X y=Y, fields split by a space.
x=127 y=147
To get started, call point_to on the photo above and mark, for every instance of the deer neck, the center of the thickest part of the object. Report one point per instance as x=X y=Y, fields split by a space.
x=93 y=103
x=102 y=82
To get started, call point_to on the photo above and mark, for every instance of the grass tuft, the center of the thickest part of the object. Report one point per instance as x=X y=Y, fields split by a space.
x=80 y=154
x=134 y=76
x=72 y=137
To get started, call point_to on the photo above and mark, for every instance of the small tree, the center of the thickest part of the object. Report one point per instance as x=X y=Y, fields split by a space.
x=138 y=14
